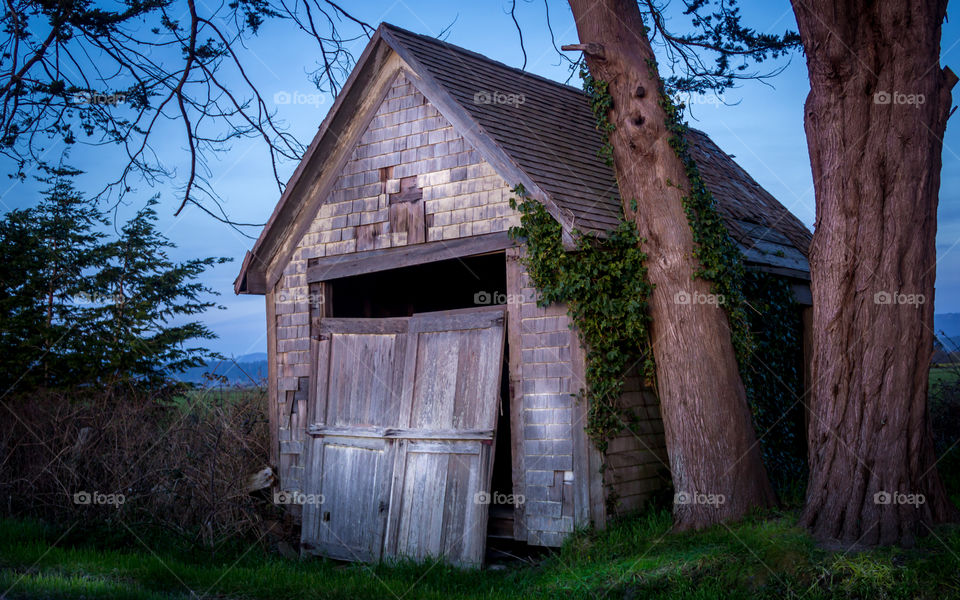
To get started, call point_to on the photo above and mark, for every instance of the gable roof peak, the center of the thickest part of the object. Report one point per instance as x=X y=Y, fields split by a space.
x=534 y=131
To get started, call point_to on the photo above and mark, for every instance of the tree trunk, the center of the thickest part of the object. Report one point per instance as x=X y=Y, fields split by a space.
x=714 y=456
x=875 y=119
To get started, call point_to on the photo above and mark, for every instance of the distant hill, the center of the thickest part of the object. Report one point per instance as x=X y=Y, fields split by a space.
x=254 y=365
x=241 y=370
x=947 y=326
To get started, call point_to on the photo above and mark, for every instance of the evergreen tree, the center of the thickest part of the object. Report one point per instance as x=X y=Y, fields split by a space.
x=142 y=332
x=48 y=251
x=77 y=307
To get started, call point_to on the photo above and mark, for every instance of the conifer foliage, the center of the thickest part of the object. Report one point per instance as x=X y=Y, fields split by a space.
x=84 y=304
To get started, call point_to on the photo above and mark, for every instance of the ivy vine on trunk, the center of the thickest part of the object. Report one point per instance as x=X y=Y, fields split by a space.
x=603 y=282
x=702 y=383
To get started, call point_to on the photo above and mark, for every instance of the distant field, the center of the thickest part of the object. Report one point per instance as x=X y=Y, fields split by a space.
x=216 y=396
x=944 y=374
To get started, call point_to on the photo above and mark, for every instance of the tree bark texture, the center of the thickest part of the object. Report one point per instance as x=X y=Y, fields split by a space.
x=874 y=119
x=714 y=456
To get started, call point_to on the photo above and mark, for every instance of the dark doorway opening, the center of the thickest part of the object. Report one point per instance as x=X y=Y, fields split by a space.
x=501 y=485
x=443 y=285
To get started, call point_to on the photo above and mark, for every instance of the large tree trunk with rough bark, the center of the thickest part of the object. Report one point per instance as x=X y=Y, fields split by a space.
x=875 y=119
x=714 y=456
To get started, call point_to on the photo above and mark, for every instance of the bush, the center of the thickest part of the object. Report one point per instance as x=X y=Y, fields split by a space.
x=944 y=418
x=122 y=460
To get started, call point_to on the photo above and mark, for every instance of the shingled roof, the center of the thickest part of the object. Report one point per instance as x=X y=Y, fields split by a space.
x=545 y=138
x=552 y=137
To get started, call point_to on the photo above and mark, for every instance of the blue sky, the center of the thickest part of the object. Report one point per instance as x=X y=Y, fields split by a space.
x=761 y=125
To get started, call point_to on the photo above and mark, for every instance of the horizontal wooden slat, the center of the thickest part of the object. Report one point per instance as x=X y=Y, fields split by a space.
x=801 y=276
x=390 y=433
x=327 y=325
x=462 y=447
x=802 y=294
x=334 y=267
x=459 y=319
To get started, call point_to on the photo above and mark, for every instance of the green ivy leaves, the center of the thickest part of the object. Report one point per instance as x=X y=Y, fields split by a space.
x=600 y=103
x=604 y=284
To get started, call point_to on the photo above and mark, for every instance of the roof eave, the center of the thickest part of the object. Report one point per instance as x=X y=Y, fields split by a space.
x=257 y=259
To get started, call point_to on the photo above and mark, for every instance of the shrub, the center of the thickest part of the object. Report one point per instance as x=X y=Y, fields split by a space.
x=123 y=460
x=944 y=417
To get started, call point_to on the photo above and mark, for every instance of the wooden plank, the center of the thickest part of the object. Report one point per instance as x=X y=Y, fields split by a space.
x=455 y=519
x=423 y=491
x=515 y=372
x=587 y=457
x=584 y=481
x=409 y=368
x=802 y=294
x=469 y=447
x=416 y=223
x=319 y=356
x=435 y=386
x=337 y=325
x=458 y=320
x=391 y=539
x=321 y=302
x=310 y=522
x=312 y=392
x=367 y=235
x=371 y=261
x=476 y=521
x=313 y=459
x=406 y=211
x=480 y=435
x=782 y=271
x=397 y=434
x=273 y=414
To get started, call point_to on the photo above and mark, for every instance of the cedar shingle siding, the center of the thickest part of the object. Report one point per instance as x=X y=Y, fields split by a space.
x=434 y=162
x=462 y=196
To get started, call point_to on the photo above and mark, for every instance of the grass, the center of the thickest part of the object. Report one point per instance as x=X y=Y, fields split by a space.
x=636 y=558
x=944 y=375
x=760 y=557
x=209 y=396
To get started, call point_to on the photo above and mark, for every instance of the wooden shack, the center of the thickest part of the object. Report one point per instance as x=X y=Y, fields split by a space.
x=420 y=400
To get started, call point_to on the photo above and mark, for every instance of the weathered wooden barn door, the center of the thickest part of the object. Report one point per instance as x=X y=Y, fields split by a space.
x=356 y=397
x=404 y=422
x=441 y=482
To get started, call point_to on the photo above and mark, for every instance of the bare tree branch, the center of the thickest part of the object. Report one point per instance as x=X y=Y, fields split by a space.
x=78 y=75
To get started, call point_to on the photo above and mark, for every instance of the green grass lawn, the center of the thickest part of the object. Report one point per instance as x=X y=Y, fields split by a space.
x=636 y=558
